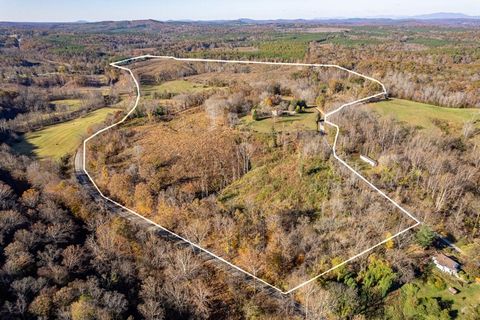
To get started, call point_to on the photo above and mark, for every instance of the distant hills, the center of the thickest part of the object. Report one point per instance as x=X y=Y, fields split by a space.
x=439 y=18
x=430 y=16
x=444 y=15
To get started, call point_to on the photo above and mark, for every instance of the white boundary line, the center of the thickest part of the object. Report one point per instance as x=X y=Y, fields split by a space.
x=117 y=64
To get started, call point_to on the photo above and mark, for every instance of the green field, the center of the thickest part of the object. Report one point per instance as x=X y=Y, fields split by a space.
x=60 y=139
x=468 y=296
x=300 y=121
x=426 y=116
x=271 y=184
x=176 y=87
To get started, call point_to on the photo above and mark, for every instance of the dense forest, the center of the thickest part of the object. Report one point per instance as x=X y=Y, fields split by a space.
x=65 y=257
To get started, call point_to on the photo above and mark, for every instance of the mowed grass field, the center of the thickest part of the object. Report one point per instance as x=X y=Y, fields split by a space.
x=57 y=140
x=300 y=121
x=468 y=296
x=426 y=116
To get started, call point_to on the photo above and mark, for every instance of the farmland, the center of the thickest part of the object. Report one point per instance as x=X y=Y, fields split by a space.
x=426 y=116
x=58 y=140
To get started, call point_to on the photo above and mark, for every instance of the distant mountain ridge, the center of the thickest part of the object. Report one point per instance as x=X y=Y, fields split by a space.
x=439 y=18
x=429 y=16
x=444 y=15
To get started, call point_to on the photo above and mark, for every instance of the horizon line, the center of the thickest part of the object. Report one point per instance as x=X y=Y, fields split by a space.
x=422 y=17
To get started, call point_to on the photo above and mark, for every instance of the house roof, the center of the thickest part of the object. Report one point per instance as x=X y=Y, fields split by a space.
x=446 y=261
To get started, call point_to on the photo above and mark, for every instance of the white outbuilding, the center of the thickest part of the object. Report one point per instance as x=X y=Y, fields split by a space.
x=368 y=160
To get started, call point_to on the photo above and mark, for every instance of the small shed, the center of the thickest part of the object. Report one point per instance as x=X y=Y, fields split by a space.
x=446 y=264
x=321 y=126
x=452 y=290
x=368 y=160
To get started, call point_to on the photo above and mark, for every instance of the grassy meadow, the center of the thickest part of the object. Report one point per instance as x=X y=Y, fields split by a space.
x=57 y=140
x=299 y=121
x=426 y=116
x=467 y=297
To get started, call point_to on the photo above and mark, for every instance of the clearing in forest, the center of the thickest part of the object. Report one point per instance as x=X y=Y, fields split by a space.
x=229 y=157
x=60 y=139
x=427 y=116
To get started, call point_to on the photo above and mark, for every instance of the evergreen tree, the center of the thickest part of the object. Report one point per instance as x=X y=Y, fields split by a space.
x=425 y=236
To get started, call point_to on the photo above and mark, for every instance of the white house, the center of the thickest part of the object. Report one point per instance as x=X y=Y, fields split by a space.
x=446 y=264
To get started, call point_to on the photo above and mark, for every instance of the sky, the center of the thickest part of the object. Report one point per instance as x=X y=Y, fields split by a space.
x=98 y=10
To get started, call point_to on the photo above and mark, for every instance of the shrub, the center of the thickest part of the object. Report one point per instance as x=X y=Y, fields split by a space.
x=335 y=86
x=438 y=283
x=254 y=115
x=299 y=105
x=320 y=101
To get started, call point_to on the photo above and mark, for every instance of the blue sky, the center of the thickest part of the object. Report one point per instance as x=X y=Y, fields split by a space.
x=96 y=10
